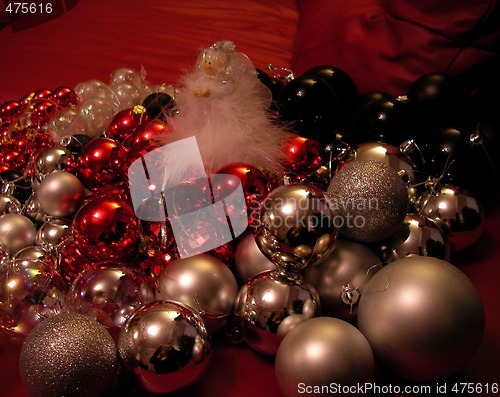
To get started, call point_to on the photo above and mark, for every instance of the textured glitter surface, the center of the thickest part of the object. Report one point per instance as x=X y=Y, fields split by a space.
x=68 y=355
x=369 y=200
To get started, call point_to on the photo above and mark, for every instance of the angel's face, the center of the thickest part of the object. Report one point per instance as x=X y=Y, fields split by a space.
x=213 y=63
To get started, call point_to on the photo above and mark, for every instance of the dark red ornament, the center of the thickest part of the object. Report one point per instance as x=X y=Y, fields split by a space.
x=126 y=121
x=303 y=156
x=106 y=228
x=101 y=163
x=64 y=96
x=71 y=260
x=146 y=133
x=10 y=110
x=42 y=111
x=43 y=93
x=120 y=190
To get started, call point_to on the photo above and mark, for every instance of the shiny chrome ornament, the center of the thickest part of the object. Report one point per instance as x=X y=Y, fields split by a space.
x=52 y=159
x=52 y=233
x=296 y=226
x=418 y=235
x=9 y=204
x=458 y=212
x=165 y=345
x=266 y=301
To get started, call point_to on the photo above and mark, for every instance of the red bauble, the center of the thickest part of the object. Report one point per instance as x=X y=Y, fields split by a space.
x=106 y=228
x=42 y=112
x=101 y=163
x=125 y=122
x=10 y=110
x=157 y=261
x=120 y=190
x=43 y=93
x=64 y=96
x=71 y=260
x=303 y=156
x=146 y=133
x=255 y=186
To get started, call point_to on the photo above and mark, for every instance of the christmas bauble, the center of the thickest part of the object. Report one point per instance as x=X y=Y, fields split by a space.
x=418 y=235
x=322 y=353
x=165 y=346
x=265 y=302
x=60 y=194
x=297 y=226
x=68 y=355
x=125 y=122
x=341 y=277
x=30 y=291
x=101 y=163
x=158 y=104
x=423 y=318
x=202 y=282
x=369 y=200
x=106 y=228
x=249 y=259
x=52 y=233
x=16 y=232
x=458 y=212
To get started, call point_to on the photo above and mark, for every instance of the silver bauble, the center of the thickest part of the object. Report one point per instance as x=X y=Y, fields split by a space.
x=110 y=294
x=346 y=271
x=68 y=355
x=52 y=233
x=458 y=212
x=165 y=345
x=202 y=282
x=60 y=194
x=9 y=204
x=52 y=159
x=296 y=226
x=418 y=235
x=248 y=259
x=33 y=210
x=265 y=302
x=30 y=291
x=33 y=253
x=16 y=232
x=369 y=200
x=321 y=353
x=423 y=317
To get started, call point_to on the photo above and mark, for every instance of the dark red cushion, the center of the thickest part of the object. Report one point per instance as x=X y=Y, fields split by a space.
x=385 y=45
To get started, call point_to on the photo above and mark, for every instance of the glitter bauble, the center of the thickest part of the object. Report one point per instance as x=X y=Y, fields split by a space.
x=369 y=200
x=68 y=355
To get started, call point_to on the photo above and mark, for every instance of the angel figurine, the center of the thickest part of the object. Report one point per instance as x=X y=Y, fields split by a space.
x=225 y=107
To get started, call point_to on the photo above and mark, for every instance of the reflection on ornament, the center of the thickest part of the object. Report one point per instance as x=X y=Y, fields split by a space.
x=266 y=300
x=165 y=346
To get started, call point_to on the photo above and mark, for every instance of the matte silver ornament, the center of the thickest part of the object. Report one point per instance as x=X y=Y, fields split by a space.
x=16 y=232
x=341 y=277
x=369 y=200
x=320 y=352
x=60 y=194
x=202 y=282
x=423 y=318
x=266 y=301
x=458 y=212
x=296 y=226
x=165 y=345
x=68 y=355
x=248 y=259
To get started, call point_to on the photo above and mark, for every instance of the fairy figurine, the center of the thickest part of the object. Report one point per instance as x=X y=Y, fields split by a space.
x=225 y=107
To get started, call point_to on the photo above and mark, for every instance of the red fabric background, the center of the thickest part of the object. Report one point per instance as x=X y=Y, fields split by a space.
x=385 y=45
x=378 y=46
